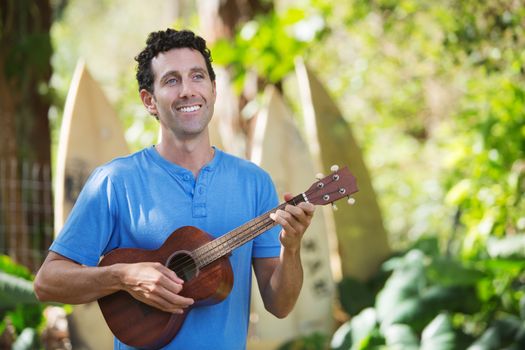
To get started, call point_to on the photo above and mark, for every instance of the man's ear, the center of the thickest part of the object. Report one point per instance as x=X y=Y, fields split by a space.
x=149 y=102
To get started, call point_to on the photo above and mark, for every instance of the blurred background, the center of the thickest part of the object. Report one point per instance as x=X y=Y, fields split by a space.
x=423 y=100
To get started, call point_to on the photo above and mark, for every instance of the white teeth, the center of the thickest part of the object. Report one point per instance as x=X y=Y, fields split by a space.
x=189 y=108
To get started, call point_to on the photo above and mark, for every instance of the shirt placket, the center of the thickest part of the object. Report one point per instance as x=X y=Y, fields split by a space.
x=199 y=209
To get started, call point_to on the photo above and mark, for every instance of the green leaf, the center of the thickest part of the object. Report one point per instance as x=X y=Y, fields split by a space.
x=439 y=334
x=15 y=290
x=412 y=312
x=406 y=282
x=342 y=338
x=449 y=272
x=8 y=266
x=361 y=332
x=26 y=315
x=453 y=299
x=401 y=337
x=363 y=325
x=27 y=340
x=223 y=52
x=459 y=193
x=511 y=266
x=314 y=341
x=373 y=341
x=429 y=245
x=489 y=340
x=507 y=330
x=410 y=260
x=508 y=326
x=507 y=247
x=255 y=48
x=293 y=15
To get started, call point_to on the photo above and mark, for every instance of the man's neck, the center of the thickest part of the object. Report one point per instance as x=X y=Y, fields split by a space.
x=191 y=154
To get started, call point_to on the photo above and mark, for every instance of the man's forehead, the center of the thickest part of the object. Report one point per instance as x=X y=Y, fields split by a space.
x=179 y=59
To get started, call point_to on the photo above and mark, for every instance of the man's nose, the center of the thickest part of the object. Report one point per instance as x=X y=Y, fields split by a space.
x=186 y=88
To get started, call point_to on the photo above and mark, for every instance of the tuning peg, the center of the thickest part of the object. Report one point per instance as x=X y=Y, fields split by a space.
x=351 y=201
x=334 y=167
x=319 y=176
x=334 y=207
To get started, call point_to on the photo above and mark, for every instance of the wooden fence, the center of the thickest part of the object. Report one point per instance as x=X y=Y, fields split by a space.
x=26 y=211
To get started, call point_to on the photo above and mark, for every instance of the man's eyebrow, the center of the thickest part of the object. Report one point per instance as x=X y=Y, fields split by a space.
x=176 y=72
x=199 y=69
x=168 y=74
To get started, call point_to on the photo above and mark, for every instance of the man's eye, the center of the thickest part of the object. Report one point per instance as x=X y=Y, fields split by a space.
x=198 y=76
x=171 y=81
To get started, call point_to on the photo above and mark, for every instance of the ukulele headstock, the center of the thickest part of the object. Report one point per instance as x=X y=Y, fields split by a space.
x=339 y=184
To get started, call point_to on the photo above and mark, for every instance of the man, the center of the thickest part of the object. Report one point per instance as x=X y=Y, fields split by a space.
x=139 y=200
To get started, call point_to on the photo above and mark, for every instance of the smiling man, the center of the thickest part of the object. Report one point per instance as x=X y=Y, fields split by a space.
x=139 y=200
x=183 y=96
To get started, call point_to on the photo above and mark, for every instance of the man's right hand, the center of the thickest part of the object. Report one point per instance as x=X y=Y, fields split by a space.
x=154 y=284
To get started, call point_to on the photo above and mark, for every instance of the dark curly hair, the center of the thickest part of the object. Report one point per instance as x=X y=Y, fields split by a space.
x=163 y=41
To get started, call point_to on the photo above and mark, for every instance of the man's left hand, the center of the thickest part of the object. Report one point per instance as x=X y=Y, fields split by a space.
x=294 y=221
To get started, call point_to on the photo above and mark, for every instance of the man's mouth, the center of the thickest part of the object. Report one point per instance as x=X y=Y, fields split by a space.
x=188 y=109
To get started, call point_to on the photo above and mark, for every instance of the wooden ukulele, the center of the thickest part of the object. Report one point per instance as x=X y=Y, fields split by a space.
x=203 y=263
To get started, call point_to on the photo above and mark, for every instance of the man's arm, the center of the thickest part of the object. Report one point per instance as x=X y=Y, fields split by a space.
x=280 y=279
x=63 y=280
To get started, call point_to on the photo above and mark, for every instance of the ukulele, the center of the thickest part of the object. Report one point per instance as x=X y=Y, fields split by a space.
x=202 y=262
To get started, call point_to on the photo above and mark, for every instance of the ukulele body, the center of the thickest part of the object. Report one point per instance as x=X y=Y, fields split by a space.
x=143 y=326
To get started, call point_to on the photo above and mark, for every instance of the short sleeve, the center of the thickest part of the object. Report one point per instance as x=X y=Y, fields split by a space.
x=267 y=245
x=88 y=228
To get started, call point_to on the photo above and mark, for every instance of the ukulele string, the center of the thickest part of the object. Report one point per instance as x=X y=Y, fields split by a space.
x=205 y=252
x=213 y=250
x=202 y=257
x=193 y=264
x=236 y=237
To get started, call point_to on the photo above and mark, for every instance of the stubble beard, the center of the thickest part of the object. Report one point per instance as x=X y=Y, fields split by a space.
x=188 y=127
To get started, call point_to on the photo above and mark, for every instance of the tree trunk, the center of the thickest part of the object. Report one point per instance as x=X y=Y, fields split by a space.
x=219 y=19
x=24 y=129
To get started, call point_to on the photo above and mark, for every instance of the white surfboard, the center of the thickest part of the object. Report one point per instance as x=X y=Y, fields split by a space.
x=362 y=237
x=90 y=135
x=279 y=148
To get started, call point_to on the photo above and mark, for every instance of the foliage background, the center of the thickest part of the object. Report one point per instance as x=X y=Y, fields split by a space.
x=434 y=93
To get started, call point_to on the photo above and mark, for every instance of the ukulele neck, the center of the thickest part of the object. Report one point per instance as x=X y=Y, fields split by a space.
x=225 y=244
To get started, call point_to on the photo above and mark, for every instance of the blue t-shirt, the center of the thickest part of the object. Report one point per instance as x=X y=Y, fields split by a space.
x=139 y=200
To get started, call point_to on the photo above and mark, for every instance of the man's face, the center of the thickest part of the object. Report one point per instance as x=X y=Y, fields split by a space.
x=184 y=95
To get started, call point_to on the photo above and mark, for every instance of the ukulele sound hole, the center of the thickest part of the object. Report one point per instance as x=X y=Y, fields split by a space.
x=183 y=264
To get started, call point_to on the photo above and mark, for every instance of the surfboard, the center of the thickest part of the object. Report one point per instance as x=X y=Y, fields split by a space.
x=361 y=235
x=90 y=135
x=279 y=148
